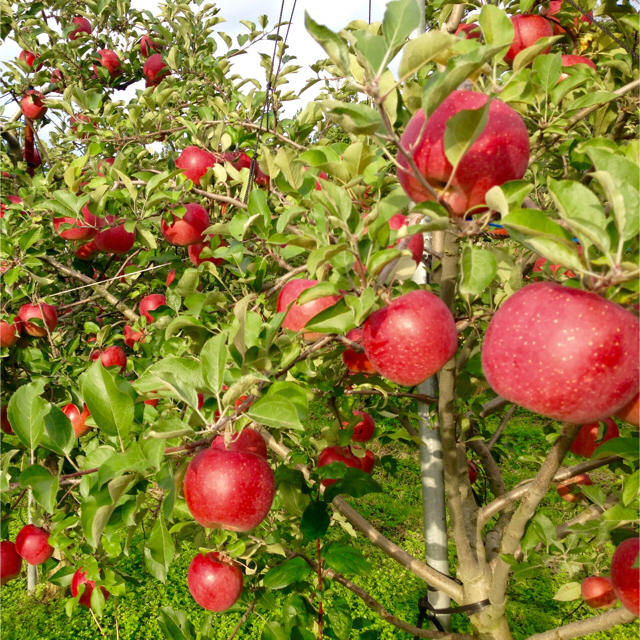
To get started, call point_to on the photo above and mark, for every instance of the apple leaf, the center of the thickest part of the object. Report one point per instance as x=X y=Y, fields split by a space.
x=462 y=130
x=631 y=489
x=400 y=19
x=526 y=56
x=214 y=359
x=290 y=571
x=340 y=618
x=568 y=592
x=315 y=520
x=132 y=459
x=423 y=49
x=26 y=413
x=345 y=558
x=626 y=448
x=547 y=71
x=497 y=29
x=275 y=411
x=335 y=319
x=43 y=484
x=332 y=43
x=174 y=624
x=58 y=433
x=354 y=482
x=479 y=268
x=159 y=550
x=371 y=50
x=353 y=117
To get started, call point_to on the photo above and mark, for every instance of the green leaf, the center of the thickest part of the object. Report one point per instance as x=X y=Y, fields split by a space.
x=423 y=49
x=159 y=550
x=354 y=482
x=214 y=356
x=568 y=592
x=631 y=489
x=331 y=42
x=290 y=571
x=277 y=412
x=462 y=130
x=43 y=484
x=174 y=625
x=319 y=290
x=380 y=259
x=353 y=117
x=26 y=413
x=315 y=520
x=479 y=268
x=372 y=48
x=497 y=29
x=626 y=448
x=524 y=58
x=335 y=319
x=339 y=616
x=177 y=377
x=133 y=459
x=400 y=19
x=547 y=71
x=58 y=433
x=345 y=558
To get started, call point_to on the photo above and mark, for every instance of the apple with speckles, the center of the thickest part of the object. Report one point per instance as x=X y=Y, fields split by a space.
x=528 y=29
x=215 y=581
x=32 y=543
x=247 y=440
x=195 y=162
x=625 y=574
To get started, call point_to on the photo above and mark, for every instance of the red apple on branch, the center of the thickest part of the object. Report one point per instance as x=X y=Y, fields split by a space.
x=32 y=543
x=337 y=454
x=147 y=45
x=188 y=229
x=416 y=242
x=630 y=412
x=82 y=26
x=79 y=578
x=586 y=442
x=364 y=429
x=151 y=303
x=569 y=60
x=469 y=31
x=195 y=162
x=473 y=471
x=115 y=239
x=597 y=592
x=567 y=489
x=78 y=420
x=625 y=574
x=32 y=105
x=247 y=440
x=528 y=29
x=195 y=251
x=215 y=582
x=74 y=229
x=110 y=61
x=10 y=562
x=112 y=356
x=356 y=361
x=8 y=333
x=86 y=251
x=28 y=57
x=155 y=69
x=41 y=311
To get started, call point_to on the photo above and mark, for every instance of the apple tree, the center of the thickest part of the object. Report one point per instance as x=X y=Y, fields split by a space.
x=186 y=268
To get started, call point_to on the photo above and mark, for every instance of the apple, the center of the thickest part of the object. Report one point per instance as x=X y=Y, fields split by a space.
x=247 y=440
x=240 y=160
x=87 y=250
x=368 y=461
x=76 y=119
x=80 y=577
x=171 y=276
x=151 y=303
x=625 y=574
x=115 y=239
x=102 y=166
x=411 y=338
x=110 y=61
x=56 y=77
x=564 y=353
x=28 y=57
x=363 y=430
x=5 y=425
x=195 y=162
x=195 y=251
x=32 y=158
x=298 y=315
x=74 y=229
x=10 y=562
x=416 y=242
x=555 y=6
x=528 y=29
x=215 y=582
x=155 y=69
x=597 y=592
x=630 y=412
x=82 y=26
x=8 y=333
x=586 y=442
x=569 y=60
x=188 y=229
x=78 y=420
x=356 y=361
x=13 y=200
x=338 y=454
x=42 y=311
x=565 y=487
x=500 y=153
x=32 y=105
x=112 y=356
x=469 y=31
x=473 y=471
x=32 y=543
x=147 y=45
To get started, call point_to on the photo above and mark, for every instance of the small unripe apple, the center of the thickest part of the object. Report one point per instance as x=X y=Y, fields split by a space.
x=82 y=26
x=195 y=162
x=564 y=353
x=5 y=425
x=189 y=229
x=8 y=333
x=364 y=429
x=155 y=69
x=151 y=303
x=32 y=543
x=32 y=105
x=147 y=45
x=528 y=29
x=567 y=488
x=112 y=356
x=195 y=251
x=586 y=442
x=42 y=311
x=416 y=242
x=214 y=582
x=80 y=577
x=630 y=412
x=10 y=562
x=115 y=239
x=78 y=420
x=110 y=61
x=597 y=592
x=247 y=440
x=625 y=574
x=411 y=338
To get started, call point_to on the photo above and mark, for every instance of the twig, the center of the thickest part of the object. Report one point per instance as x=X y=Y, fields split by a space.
x=587 y=626
x=420 y=397
x=493 y=405
x=242 y=620
x=503 y=423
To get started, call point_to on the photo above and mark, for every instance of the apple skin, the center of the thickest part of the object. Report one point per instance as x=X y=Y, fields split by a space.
x=110 y=61
x=86 y=251
x=500 y=154
x=214 y=583
x=115 y=239
x=80 y=577
x=368 y=461
x=28 y=57
x=630 y=412
x=155 y=69
x=569 y=60
x=29 y=311
x=112 y=356
x=195 y=162
x=337 y=454
x=75 y=229
x=416 y=242
x=247 y=440
x=10 y=561
x=469 y=31
x=528 y=29
x=77 y=419
x=597 y=592
x=299 y=314
x=564 y=487
x=195 y=251
x=586 y=442
x=188 y=229
x=151 y=303
x=147 y=45
x=229 y=489
x=32 y=105
x=5 y=425
x=364 y=429
x=356 y=361
x=564 y=353
x=411 y=338
x=32 y=543
x=33 y=160
x=8 y=334
x=82 y=26
x=626 y=579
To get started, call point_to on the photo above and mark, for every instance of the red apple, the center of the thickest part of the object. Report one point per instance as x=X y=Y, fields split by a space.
x=195 y=251
x=625 y=574
x=32 y=158
x=10 y=562
x=630 y=412
x=229 y=489
x=337 y=454
x=115 y=239
x=564 y=353
x=74 y=229
x=368 y=461
x=8 y=333
x=586 y=442
x=82 y=26
x=500 y=154
x=111 y=357
x=240 y=160
x=80 y=577
x=194 y=163
x=76 y=119
x=356 y=361
x=42 y=311
x=597 y=592
x=188 y=229
x=78 y=420
x=570 y=60
x=469 y=31
x=363 y=430
x=32 y=105
x=567 y=488
x=555 y=6
x=298 y=315
x=87 y=250
x=473 y=471
x=528 y=29
x=102 y=166
x=215 y=582
x=56 y=77
x=32 y=543
x=247 y=440
x=411 y=338
x=29 y=58
x=5 y=425
x=416 y=242
x=151 y=303
x=147 y=45
x=110 y=61
x=155 y=69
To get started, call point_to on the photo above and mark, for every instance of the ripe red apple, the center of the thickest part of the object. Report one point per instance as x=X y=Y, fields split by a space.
x=32 y=105
x=240 y=160
x=597 y=592
x=299 y=315
x=155 y=69
x=5 y=425
x=171 y=276
x=564 y=353
x=411 y=338
x=28 y=57
x=215 y=582
x=586 y=442
x=32 y=543
x=151 y=303
x=42 y=311
x=500 y=154
x=111 y=357
x=10 y=562
x=570 y=60
x=229 y=489
x=115 y=239
x=363 y=430
x=8 y=333
x=80 y=577
x=82 y=26
x=368 y=461
x=356 y=361
x=473 y=471
x=32 y=158
x=555 y=6
x=630 y=412
x=567 y=488
x=87 y=250
x=337 y=454
x=247 y=440
x=74 y=229
x=110 y=61
x=195 y=251
x=56 y=77
x=416 y=242
x=195 y=162
x=625 y=577
x=528 y=29
x=147 y=45
x=188 y=229
x=469 y=31
x=78 y=420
